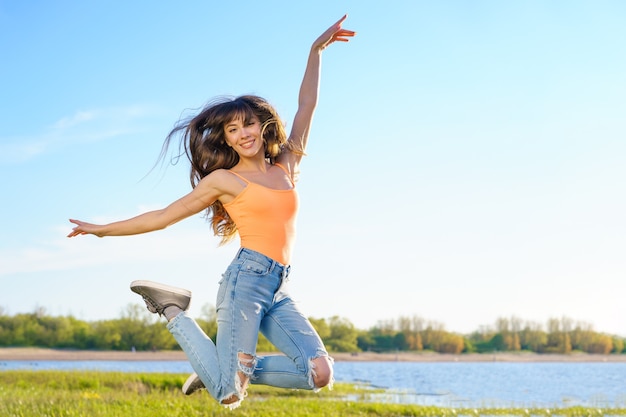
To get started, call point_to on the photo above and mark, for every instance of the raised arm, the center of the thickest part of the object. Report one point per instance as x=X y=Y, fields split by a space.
x=309 y=89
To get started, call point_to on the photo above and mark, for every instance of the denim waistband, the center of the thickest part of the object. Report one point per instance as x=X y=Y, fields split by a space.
x=272 y=265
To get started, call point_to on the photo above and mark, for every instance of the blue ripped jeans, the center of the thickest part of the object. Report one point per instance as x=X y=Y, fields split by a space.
x=252 y=297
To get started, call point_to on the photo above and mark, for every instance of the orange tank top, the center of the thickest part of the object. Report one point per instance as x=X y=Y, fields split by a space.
x=265 y=219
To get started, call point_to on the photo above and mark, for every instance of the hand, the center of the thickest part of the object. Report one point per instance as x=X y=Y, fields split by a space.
x=83 y=228
x=332 y=34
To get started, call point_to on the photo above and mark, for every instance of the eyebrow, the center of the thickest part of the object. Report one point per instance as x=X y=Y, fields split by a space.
x=232 y=123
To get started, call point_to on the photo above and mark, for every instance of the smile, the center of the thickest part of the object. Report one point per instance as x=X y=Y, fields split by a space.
x=248 y=145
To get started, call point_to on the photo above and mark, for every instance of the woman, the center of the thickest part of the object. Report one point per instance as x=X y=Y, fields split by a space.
x=243 y=172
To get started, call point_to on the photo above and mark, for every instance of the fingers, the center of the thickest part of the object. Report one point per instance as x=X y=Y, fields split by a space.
x=333 y=34
x=76 y=230
x=73 y=232
x=346 y=32
x=340 y=34
x=340 y=21
x=76 y=233
x=343 y=35
x=340 y=29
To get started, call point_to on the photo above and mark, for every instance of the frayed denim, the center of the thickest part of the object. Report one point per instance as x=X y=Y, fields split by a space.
x=252 y=297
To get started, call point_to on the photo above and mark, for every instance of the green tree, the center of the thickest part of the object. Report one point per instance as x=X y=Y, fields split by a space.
x=365 y=341
x=384 y=342
x=559 y=340
x=481 y=340
x=82 y=334
x=321 y=327
x=400 y=341
x=343 y=335
x=601 y=344
x=497 y=343
x=208 y=321
x=451 y=343
x=509 y=339
x=411 y=328
x=383 y=336
x=434 y=336
x=533 y=337
x=582 y=336
x=107 y=335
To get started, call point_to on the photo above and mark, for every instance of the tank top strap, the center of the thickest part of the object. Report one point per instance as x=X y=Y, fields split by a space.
x=239 y=176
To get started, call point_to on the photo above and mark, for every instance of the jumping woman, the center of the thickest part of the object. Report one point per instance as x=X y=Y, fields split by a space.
x=243 y=173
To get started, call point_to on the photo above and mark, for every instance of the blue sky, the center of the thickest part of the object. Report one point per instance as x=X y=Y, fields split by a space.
x=466 y=160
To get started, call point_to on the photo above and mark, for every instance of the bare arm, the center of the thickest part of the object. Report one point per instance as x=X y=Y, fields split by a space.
x=203 y=195
x=309 y=90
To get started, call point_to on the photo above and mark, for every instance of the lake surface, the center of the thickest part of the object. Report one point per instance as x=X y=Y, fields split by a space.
x=454 y=384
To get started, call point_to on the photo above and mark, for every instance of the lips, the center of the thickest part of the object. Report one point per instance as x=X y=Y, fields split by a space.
x=247 y=145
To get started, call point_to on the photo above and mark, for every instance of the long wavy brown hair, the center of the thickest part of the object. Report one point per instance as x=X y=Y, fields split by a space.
x=203 y=142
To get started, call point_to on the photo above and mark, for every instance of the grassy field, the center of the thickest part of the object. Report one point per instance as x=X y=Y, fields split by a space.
x=108 y=394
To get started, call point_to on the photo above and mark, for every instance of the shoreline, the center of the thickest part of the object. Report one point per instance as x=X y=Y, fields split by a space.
x=41 y=354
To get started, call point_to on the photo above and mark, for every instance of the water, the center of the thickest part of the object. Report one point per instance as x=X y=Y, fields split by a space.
x=497 y=384
x=458 y=384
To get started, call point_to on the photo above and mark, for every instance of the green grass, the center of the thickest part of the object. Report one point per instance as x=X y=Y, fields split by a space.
x=110 y=394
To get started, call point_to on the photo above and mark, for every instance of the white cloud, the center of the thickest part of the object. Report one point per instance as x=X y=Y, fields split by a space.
x=76 y=119
x=84 y=126
x=16 y=151
x=179 y=243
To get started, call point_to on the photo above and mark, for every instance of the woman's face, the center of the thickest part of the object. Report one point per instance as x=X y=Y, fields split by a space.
x=244 y=136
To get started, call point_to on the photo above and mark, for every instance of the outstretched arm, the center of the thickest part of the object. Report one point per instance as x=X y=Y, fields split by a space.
x=307 y=98
x=203 y=195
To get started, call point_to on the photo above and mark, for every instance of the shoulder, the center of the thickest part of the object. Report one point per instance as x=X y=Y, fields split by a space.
x=218 y=175
x=218 y=179
x=223 y=182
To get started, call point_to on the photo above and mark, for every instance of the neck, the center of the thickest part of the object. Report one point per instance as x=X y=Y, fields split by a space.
x=252 y=164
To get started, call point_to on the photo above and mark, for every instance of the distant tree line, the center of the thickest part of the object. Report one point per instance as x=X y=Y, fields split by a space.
x=560 y=336
x=138 y=329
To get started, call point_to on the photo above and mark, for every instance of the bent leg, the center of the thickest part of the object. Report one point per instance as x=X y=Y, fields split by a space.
x=200 y=351
x=306 y=364
x=247 y=363
x=323 y=372
x=245 y=294
x=225 y=383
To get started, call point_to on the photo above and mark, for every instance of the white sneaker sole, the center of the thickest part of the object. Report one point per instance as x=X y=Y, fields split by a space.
x=192 y=384
x=158 y=286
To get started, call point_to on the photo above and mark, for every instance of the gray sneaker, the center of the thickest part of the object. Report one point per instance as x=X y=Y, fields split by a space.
x=192 y=384
x=159 y=296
